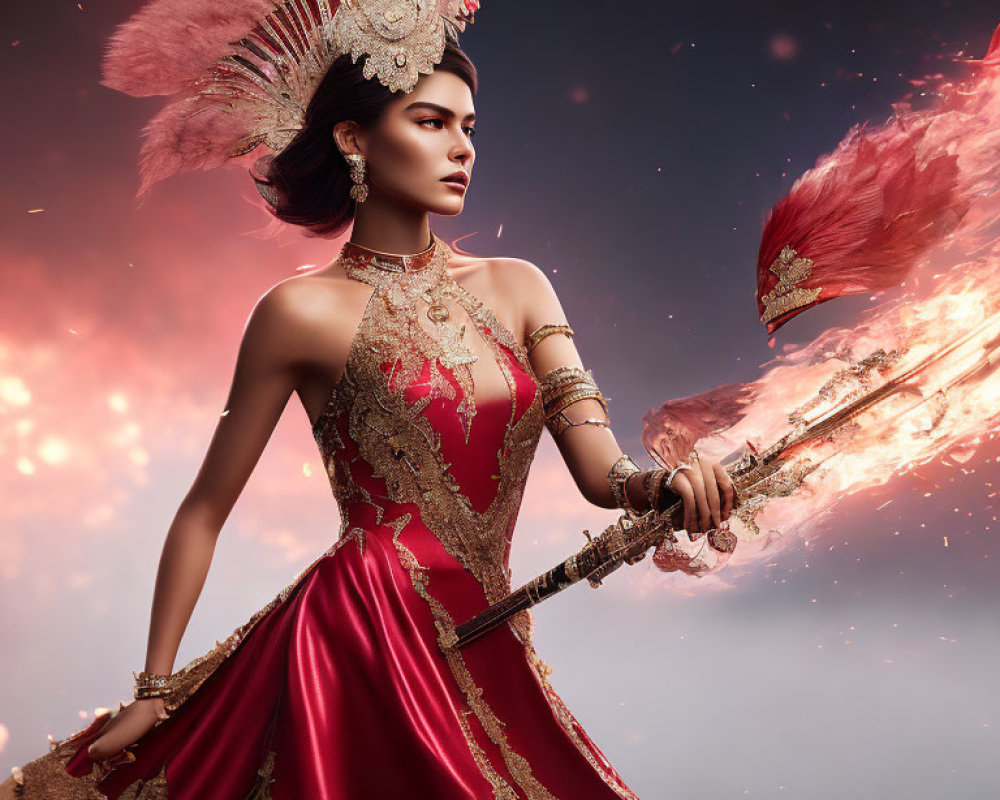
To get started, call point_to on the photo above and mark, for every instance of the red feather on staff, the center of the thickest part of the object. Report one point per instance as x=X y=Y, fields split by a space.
x=857 y=222
x=861 y=219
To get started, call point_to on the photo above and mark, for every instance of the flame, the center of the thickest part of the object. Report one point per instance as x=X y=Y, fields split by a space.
x=932 y=347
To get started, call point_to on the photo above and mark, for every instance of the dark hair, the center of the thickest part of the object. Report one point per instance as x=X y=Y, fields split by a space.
x=308 y=183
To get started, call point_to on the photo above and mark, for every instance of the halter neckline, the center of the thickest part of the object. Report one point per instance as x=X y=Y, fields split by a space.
x=364 y=258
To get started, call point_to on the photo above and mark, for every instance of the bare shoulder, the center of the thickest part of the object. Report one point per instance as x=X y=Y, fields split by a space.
x=528 y=288
x=502 y=271
x=518 y=275
x=309 y=318
x=300 y=297
x=518 y=291
x=513 y=281
x=283 y=312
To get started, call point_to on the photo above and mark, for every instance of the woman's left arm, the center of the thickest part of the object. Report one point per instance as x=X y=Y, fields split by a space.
x=577 y=415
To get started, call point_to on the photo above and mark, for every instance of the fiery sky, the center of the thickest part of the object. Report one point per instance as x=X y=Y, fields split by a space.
x=634 y=158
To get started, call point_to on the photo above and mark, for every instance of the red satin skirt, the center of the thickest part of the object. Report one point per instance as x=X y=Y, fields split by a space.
x=340 y=691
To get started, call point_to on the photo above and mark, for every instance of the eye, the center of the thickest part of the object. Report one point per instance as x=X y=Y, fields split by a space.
x=470 y=130
x=431 y=119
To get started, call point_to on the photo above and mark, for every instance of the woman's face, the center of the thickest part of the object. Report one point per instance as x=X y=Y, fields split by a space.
x=422 y=138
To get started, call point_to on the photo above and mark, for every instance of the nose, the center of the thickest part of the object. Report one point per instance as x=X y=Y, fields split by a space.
x=461 y=150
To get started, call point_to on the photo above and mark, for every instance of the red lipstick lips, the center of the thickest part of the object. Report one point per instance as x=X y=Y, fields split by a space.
x=457 y=178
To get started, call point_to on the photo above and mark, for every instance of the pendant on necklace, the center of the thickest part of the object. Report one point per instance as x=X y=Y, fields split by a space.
x=437 y=313
x=454 y=352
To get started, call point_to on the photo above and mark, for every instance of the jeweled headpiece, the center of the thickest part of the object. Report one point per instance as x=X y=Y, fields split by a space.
x=245 y=70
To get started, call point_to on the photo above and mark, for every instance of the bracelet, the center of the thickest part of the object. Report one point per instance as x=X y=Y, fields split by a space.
x=152 y=684
x=674 y=471
x=617 y=476
x=651 y=482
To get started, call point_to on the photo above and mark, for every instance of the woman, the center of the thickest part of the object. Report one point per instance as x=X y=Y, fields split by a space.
x=428 y=376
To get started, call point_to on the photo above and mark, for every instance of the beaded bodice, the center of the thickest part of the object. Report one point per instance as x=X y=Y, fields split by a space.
x=436 y=414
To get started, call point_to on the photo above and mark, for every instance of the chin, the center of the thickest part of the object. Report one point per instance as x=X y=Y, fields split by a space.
x=447 y=209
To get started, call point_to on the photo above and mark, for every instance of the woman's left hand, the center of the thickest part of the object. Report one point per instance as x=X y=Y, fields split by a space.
x=707 y=491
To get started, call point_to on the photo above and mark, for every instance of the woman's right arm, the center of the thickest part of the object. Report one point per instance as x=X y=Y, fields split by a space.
x=265 y=375
x=268 y=369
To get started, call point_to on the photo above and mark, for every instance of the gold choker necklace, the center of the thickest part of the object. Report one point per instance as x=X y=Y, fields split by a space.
x=359 y=256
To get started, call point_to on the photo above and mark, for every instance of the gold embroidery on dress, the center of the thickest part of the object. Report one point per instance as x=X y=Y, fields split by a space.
x=262 y=785
x=46 y=778
x=399 y=293
x=401 y=446
x=400 y=443
x=501 y=789
x=563 y=714
x=517 y=764
x=155 y=789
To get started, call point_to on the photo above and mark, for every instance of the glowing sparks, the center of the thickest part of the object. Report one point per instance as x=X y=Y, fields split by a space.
x=928 y=358
x=118 y=402
x=138 y=456
x=14 y=392
x=945 y=408
x=53 y=451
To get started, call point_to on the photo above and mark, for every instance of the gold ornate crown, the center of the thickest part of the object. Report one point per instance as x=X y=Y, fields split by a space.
x=263 y=61
x=282 y=61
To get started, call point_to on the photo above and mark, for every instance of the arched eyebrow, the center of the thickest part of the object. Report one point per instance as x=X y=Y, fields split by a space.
x=444 y=112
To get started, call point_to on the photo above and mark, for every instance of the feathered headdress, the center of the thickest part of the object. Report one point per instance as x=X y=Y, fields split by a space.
x=863 y=216
x=243 y=71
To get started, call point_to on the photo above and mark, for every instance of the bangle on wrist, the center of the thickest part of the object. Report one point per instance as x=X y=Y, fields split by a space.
x=617 y=477
x=152 y=684
x=652 y=482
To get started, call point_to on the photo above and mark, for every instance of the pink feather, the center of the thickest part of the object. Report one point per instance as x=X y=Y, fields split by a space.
x=670 y=431
x=168 y=43
x=175 y=140
x=240 y=73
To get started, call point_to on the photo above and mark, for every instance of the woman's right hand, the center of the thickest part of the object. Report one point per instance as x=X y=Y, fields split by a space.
x=127 y=727
x=708 y=494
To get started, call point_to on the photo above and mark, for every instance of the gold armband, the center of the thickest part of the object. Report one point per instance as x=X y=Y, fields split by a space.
x=547 y=330
x=563 y=386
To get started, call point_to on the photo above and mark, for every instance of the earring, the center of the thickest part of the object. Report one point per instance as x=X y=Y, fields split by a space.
x=359 y=191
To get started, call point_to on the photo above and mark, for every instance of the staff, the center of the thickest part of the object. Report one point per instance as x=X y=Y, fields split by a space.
x=777 y=472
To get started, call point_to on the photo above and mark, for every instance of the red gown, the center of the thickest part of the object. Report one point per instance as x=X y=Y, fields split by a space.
x=347 y=686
